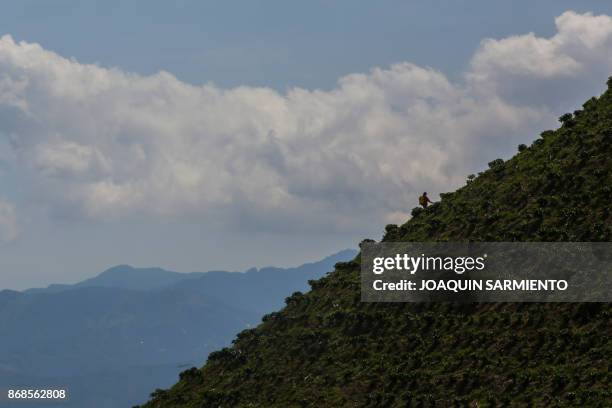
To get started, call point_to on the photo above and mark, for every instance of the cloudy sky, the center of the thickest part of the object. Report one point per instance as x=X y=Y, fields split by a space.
x=207 y=136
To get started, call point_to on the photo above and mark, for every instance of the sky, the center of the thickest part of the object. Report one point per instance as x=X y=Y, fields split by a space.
x=224 y=135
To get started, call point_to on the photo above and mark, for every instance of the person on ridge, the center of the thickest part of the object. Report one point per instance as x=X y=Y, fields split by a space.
x=424 y=200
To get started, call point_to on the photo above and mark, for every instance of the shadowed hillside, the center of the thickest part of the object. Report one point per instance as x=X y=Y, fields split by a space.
x=326 y=348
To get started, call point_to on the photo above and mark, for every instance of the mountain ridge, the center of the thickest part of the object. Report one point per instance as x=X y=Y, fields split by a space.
x=153 y=278
x=92 y=339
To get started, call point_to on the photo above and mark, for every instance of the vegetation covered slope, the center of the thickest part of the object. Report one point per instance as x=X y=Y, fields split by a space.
x=326 y=348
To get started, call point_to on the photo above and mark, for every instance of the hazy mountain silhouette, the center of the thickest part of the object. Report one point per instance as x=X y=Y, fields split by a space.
x=126 y=277
x=114 y=337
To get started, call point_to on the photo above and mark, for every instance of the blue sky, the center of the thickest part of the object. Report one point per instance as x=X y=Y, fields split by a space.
x=280 y=132
x=276 y=43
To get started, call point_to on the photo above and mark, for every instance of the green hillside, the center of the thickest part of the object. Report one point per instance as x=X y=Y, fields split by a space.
x=326 y=348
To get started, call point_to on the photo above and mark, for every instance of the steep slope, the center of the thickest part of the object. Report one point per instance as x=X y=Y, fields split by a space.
x=326 y=348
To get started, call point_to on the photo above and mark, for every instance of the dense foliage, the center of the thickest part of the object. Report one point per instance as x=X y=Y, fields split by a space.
x=326 y=348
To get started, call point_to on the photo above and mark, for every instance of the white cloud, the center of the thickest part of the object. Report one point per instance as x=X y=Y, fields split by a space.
x=580 y=41
x=104 y=143
x=527 y=69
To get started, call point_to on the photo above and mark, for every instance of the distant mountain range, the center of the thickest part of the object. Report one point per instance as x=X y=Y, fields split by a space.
x=114 y=338
x=126 y=277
